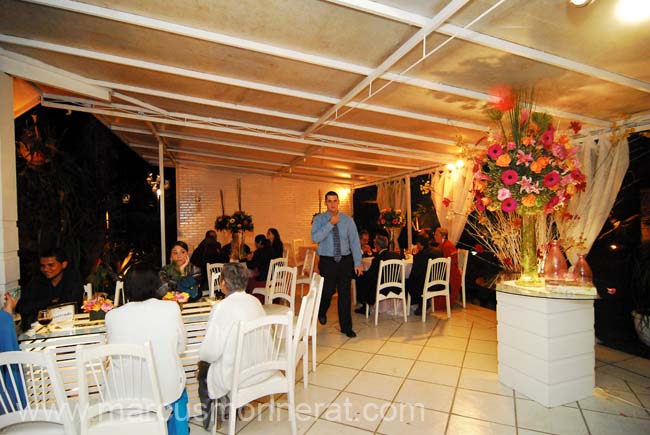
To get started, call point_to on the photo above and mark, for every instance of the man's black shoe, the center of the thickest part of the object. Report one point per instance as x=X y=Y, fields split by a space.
x=350 y=333
x=360 y=310
x=322 y=319
x=418 y=310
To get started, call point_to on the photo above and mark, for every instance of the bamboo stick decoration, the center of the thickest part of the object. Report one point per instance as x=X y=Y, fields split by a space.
x=320 y=203
x=239 y=194
x=223 y=208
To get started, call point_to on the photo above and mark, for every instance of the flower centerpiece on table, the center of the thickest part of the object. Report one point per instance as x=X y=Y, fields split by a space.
x=97 y=307
x=176 y=296
x=528 y=167
x=238 y=221
x=391 y=218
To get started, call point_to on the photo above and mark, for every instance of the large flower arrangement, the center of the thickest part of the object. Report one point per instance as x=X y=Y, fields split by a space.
x=391 y=218
x=528 y=167
x=238 y=221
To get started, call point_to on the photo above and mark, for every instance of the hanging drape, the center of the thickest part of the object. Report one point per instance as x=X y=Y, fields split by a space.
x=604 y=163
x=392 y=194
x=452 y=198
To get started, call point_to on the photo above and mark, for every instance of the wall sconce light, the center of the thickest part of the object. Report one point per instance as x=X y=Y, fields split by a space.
x=155 y=183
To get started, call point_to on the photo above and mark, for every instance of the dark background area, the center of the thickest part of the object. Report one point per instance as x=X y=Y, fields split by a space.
x=72 y=172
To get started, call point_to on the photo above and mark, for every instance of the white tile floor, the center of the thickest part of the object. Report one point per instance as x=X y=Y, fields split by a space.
x=440 y=377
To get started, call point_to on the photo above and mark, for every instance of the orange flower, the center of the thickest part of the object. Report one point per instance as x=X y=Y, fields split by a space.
x=538 y=165
x=504 y=160
x=527 y=140
x=570 y=189
x=564 y=139
x=528 y=200
x=480 y=185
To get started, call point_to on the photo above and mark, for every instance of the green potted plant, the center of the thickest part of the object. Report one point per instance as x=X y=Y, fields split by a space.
x=640 y=284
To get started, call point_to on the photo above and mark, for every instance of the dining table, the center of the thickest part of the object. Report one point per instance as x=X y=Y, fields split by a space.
x=62 y=340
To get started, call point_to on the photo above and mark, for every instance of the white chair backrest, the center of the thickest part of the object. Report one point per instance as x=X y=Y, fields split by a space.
x=276 y=262
x=303 y=323
x=391 y=274
x=213 y=284
x=295 y=246
x=316 y=284
x=283 y=285
x=31 y=390
x=437 y=272
x=119 y=382
x=119 y=293
x=88 y=291
x=285 y=254
x=308 y=263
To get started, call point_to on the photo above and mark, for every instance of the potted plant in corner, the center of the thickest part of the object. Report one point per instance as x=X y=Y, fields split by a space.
x=641 y=292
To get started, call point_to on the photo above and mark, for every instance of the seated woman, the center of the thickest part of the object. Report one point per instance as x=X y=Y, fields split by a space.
x=177 y=273
x=217 y=352
x=277 y=247
x=448 y=250
x=146 y=318
x=259 y=262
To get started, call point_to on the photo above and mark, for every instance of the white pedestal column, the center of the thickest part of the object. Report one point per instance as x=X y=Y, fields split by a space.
x=9 y=265
x=546 y=347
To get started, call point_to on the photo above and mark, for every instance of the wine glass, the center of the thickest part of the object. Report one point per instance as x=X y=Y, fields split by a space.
x=44 y=318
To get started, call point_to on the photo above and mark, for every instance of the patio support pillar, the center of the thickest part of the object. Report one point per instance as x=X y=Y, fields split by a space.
x=9 y=264
x=409 y=220
x=161 y=187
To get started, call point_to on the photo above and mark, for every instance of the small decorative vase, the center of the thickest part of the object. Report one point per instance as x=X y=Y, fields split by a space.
x=582 y=271
x=237 y=246
x=529 y=275
x=393 y=236
x=555 y=265
x=96 y=315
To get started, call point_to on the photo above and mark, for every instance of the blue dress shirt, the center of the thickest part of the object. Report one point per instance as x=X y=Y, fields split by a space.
x=321 y=233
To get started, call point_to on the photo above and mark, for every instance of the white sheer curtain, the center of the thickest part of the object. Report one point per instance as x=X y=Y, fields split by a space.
x=604 y=164
x=392 y=194
x=450 y=192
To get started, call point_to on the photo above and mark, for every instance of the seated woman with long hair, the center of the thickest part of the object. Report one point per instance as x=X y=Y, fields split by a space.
x=177 y=274
x=146 y=318
x=277 y=247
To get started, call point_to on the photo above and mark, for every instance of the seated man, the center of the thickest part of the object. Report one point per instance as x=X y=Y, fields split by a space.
x=57 y=284
x=364 y=240
x=208 y=251
x=217 y=352
x=226 y=252
x=367 y=287
x=259 y=262
x=415 y=281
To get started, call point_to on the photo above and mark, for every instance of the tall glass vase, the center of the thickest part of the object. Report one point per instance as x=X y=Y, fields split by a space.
x=237 y=246
x=528 y=248
x=393 y=236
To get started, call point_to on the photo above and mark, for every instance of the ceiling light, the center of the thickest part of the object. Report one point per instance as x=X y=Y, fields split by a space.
x=580 y=3
x=633 y=11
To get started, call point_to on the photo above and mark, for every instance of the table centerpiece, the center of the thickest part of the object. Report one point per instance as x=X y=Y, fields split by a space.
x=392 y=220
x=97 y=307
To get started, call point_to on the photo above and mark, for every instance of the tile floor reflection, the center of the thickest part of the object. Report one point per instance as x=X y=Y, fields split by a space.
x=440 y=377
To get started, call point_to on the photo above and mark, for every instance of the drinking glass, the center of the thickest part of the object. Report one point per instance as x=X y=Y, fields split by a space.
x=44 y=318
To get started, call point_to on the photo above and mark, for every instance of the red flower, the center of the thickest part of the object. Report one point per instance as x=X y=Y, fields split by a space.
x=509 y=205
x=383 y=221
x=495 y=151
x=395 y=221
x=446 y=202
x=479 y=205
x=548 y=137
x=577 y=175
x=509 y=177
x=575 y=126
x=555 y=200
x=479 y=248
x=502 y=98
x=551 y=179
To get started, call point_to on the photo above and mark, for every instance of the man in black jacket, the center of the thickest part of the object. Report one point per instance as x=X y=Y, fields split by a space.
x=367 y=287
x=415 y=281
x=208 y=251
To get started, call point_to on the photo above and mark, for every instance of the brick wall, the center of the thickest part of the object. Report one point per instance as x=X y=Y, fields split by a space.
x=282 y=203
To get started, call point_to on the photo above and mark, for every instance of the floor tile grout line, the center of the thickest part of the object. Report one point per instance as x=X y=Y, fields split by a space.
x=460 y=373
x=584 y=418
x=636 y=396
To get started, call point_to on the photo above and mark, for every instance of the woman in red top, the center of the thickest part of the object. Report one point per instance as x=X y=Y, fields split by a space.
x=448 y=250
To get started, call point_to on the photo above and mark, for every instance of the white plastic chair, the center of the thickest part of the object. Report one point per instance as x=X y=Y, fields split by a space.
x=276 y=262
x=88 y=291
x=392 y=274
x=263 y=367
x=316 y=284
x=304 y=277
x=119 y=293
x=119 y=390
x=213 y=271
x=295 y=246
x=463 y=255
x=283 y=287
x=32 y=396
x=437 y=275
x=301 y=332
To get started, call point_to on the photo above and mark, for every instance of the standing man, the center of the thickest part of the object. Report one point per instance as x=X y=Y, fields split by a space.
x=340 y=259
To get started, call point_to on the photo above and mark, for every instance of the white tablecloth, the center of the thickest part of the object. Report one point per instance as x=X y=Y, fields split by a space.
x=367 y=261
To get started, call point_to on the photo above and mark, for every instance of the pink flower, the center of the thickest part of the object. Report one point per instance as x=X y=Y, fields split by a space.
x=495 y=151
x=558 y=151
x=551 y=179
x=509 y=205
x=446 y=202
x=523 y=158
x=525 y=114
x=479 y=205
x=511 y=146
x=548 y=137
x=527 y=185
x=575 y=126
x=503 y=194
x=509 y=177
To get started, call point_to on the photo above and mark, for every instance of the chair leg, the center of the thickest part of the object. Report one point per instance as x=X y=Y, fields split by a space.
x=448 y=306
x=271 y=405
x=232 y=419
x=313 y=352
x=463 y=289
x=305 y=367
x=367 y=310
x=424 y=308
x=376 y=311
x=292 y=409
